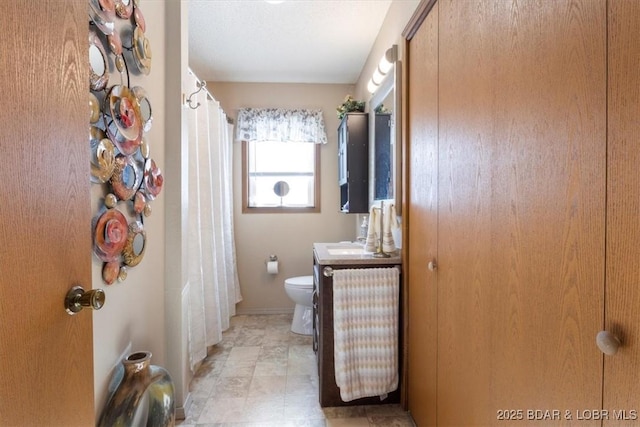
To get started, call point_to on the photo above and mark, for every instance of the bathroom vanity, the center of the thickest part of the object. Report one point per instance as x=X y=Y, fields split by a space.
x=328 y=257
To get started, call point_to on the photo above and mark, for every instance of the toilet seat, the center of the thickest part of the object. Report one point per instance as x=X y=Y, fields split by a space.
x=300 y=282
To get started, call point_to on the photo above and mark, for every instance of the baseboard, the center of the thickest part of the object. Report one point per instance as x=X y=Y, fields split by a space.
x=248 y=311
x=181 y=411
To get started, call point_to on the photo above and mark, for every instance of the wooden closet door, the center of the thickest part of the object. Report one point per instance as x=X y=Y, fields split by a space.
x=522 y=107
x=422 y=220
x=621 y=385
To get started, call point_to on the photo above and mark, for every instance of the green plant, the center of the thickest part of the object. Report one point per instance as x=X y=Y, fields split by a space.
x=381 y=109
x=348 y=105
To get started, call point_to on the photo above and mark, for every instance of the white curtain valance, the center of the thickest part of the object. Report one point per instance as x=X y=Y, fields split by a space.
x=277 y=124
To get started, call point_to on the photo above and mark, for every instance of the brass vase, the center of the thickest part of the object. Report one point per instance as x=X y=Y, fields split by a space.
x=139 y=390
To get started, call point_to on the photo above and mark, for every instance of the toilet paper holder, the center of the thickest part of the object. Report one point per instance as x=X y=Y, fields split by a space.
x=271 y=259
x=272 y=264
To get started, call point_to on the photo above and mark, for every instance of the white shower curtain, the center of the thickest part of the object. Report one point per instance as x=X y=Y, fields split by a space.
x=214 y=289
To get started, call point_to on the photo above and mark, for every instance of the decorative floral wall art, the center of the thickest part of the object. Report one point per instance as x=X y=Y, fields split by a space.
x=120 y=117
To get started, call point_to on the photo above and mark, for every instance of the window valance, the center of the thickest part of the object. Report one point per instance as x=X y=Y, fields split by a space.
x=277 y=124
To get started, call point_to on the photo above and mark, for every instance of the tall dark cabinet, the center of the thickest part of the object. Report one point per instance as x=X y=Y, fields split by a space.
x=353 y=163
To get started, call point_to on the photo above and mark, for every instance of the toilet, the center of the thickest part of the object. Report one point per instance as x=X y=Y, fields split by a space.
x=300 y=290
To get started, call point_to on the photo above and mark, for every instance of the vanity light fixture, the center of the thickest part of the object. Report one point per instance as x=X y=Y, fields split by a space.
x=385 y=64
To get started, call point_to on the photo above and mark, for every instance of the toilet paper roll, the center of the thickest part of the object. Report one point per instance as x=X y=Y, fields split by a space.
x=272 y=267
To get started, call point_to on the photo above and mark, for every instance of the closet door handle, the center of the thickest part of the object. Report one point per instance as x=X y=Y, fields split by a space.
x=432 y=266
x=608 y=343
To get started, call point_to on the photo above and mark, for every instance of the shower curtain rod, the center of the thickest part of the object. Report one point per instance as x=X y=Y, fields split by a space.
x=202 y=85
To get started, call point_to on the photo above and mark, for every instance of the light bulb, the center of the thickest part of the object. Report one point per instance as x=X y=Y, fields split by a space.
x=371 y=86
x=377 y=76
x=384 y=66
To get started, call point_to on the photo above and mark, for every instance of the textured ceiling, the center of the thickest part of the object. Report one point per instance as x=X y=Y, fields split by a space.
x=296 y=41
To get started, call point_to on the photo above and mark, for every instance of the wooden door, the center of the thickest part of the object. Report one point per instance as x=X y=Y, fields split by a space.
x=422 y=218
x=621 y=386
x=46 y=356
x=522 y=122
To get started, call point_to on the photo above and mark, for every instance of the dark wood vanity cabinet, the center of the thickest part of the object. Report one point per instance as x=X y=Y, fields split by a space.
x=329 y=393
x=353 y=163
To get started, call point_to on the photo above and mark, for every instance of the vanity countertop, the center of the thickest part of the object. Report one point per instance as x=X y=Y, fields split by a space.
x=349 y=253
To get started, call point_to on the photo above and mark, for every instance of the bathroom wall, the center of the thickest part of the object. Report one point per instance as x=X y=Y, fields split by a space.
x=133 y=315
x=390 y=33
x=290 y=236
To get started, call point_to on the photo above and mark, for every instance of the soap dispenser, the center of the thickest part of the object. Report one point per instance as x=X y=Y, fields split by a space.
x=364 y=228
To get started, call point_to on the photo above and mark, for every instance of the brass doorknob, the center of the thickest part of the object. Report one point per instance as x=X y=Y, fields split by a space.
x=432 y=265
x=607 y=343
x=77 y=298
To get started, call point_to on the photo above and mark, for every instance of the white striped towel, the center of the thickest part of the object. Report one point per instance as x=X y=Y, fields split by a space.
x=373 y=231
x=390 y=222
x=365 y=322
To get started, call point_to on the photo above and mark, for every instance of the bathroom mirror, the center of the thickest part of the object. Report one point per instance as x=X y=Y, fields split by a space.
x=384 y=140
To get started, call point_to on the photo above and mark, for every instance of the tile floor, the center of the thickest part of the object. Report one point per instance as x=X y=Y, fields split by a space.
x=263 y=375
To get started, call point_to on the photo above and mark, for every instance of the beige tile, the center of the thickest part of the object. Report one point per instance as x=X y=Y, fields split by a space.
x=301 y=423
x=249 y=337
x=201 y=386
x=220 y=410
x=211 y=367
x=280 y=319
x=238 y=369
x=267 y=386
x=301 y=351
x=263 y=369
x=392 y=421
x=274 y=353
x=231 y=387
x=347 y=422
x=300 y=339
x=392 y=409
x=278 y=423
x=267 y=408
x=244 y=354
x=238 y=320
x=301 y=385
x=219 y=351
x=344 y=412
x=263 y=375
x=194 y=411
x=257 y=320
x=302 y=408
x=279 y=327
x=302 y=367
x=275 y=338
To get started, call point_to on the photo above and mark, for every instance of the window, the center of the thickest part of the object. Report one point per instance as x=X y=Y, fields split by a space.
x=280 y=159
x=281 y=177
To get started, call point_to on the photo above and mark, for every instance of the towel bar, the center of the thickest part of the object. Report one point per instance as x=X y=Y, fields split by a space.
x=328 y=271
